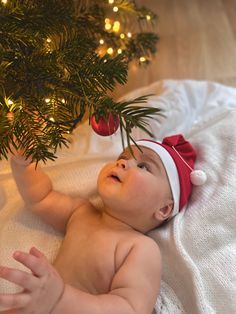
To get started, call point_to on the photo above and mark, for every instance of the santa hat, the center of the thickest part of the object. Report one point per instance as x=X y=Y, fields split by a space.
x=178 y=157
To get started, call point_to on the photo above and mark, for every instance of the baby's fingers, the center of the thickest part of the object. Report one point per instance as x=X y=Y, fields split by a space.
x=14 y=301
x=37 y=264
x=34 y=251
x=25 y=280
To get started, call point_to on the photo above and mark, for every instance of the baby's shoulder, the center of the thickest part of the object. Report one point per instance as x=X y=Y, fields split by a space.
x=145 y=245
x=138 y=239
x=82 y=216
x=137 y=245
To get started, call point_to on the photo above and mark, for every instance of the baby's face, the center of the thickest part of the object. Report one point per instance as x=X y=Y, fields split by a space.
x=134 y=185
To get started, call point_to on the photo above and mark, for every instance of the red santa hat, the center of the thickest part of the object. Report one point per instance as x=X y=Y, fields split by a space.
x=178 y=157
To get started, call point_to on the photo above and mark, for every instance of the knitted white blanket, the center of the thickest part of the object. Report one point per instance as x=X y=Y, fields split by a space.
x=199 y=245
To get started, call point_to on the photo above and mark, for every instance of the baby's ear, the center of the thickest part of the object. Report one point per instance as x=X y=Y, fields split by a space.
x=163 y=213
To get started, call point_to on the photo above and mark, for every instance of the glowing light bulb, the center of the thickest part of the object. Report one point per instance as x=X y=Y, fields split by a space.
x=110 y=1
x=116 y=26
x=107 y=21
x=52 y=119
x=101 y=41
x=110 y=51
x=142 y=59
x=115 y=9
x=148 y=17
x=122 y=35
x=47 y=100
x=49 y=40
x=10 y=102
x=108 y=26
x=129 y=34
x=4 y=1
x=119 y=51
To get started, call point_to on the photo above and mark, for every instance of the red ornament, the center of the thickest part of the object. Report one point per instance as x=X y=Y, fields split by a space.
x=105 y=127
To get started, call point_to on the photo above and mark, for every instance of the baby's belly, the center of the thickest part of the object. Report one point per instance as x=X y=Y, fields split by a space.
x=87 y=270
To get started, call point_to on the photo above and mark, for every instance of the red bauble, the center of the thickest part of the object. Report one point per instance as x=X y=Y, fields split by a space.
x=104 y=126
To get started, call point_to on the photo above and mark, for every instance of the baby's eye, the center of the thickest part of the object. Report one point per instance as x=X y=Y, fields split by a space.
x=143 y=165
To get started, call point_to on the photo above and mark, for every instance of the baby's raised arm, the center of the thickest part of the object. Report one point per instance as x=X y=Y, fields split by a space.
x=36 y=189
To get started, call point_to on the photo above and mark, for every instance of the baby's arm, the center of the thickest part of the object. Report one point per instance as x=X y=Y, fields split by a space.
x=134 y=288
x=37 y=192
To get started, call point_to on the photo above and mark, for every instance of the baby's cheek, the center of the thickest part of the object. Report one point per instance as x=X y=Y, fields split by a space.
x=105 y=170
x=140 y=185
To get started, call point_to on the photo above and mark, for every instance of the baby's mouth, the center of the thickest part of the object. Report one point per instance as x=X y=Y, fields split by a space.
x=115 y=177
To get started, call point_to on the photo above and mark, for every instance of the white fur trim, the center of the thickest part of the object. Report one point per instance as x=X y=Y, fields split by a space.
x=171 y=170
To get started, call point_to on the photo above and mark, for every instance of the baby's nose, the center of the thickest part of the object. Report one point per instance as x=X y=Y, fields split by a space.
x=122 y=163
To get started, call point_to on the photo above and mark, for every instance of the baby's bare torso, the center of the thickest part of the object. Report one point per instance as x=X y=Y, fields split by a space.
x=93 y=250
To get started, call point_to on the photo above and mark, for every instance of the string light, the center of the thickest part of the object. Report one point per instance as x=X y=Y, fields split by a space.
x=10 y=102
x=110 y=51
x=49 y=40
x=107 y=26
x=52 y=119
x=142 y=59
x=4 y=1
x=47 y=100
x=116 y=26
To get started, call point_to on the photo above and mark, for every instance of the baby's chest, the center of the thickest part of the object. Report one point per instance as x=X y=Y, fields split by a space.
x=88 y=261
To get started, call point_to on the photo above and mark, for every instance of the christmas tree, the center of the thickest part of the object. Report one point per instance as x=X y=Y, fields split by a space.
x=59 y=61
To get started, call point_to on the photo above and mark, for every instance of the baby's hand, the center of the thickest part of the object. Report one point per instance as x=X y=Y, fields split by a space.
x=17 y=155
x=42 y=288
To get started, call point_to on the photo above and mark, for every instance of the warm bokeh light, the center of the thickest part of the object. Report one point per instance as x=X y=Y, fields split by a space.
x=116 y=26
x=110 y=51
x=142 y=59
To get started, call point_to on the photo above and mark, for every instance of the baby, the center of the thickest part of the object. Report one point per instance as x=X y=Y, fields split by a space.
x=106 y=263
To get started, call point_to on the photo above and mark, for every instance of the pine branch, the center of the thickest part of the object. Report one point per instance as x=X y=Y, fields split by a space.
x=52 y=73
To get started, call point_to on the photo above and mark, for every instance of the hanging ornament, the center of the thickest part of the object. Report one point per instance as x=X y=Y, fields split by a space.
x=105 y=127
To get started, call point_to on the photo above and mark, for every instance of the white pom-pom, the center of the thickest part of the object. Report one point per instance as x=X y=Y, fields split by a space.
x=198 y=177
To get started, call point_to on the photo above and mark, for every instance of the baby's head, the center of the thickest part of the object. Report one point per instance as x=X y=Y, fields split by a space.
x=178 y=157
x=152 y=186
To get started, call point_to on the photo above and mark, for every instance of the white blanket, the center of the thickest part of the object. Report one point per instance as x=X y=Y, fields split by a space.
x=199 y=245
